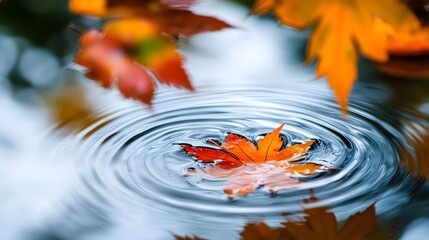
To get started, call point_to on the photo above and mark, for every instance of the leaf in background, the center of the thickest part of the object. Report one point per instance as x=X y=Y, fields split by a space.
x=72 y=111
x=409 y=54
x=183 y=22
x=130 y=31
x=107 y=63
x=341 y=29
x=263 y=6
x=139 y=32
x=85 y=7
x=249 y=167
x=167 y=15
x=165 y=61
x=416 y=45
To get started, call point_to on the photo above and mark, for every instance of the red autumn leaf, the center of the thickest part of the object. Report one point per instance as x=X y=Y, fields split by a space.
x=107 y=63
x=184 y=22
x=149 y=48
x=139 y=32
x=113 y=57
x=249 y=166
x=209 y=155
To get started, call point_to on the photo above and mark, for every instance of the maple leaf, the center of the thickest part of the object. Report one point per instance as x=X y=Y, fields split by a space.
x=151 y=49
x=402 y=43
x=122 y=52
x=249 y=166
x=319 y=223
x=108 y=63
x=139 y=37
x=342 y=27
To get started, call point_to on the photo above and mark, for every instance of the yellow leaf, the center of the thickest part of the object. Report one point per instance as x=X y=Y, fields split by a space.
x=85 y=7
x=130 y=31
x=342 y=29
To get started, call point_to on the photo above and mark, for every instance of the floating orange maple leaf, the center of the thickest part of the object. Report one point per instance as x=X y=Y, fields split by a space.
x=248 y=166
x=342 y=27
x=139 y=37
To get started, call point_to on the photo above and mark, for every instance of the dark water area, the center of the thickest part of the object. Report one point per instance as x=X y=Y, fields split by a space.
x=80 y=162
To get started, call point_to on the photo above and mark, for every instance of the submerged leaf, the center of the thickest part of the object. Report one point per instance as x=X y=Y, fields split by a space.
x=319 y=223
x=261 y=231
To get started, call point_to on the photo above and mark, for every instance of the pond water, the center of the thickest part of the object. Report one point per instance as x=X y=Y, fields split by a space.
x=83 y=163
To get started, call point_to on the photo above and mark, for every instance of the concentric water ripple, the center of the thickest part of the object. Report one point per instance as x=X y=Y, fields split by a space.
x=128 y=158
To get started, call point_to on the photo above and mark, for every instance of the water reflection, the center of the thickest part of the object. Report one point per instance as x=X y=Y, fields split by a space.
x=318 y=223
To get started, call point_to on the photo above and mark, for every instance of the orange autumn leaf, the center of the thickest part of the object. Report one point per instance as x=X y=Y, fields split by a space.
x=341 y=29
x=249 y=166
x=130 y=31
x=92 y=8
x=263 y=6
x=410 y=45
x=409 y=54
